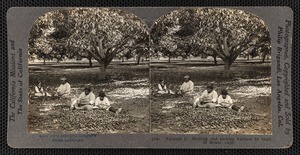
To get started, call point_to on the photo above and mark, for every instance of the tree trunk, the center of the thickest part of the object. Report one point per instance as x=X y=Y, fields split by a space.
x=215 y=60
x=90 y=62
x=138 y=59
x=226 y=67
x=102 y=71
x=248 y=56
x=264 y=58
x=122 y=59
x=44 y=62
x=169 y=58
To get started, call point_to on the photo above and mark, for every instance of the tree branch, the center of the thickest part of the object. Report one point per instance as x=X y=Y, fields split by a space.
x=101 y=50
x=242 y=45
x=94 y=55
x=240 y=49
x=117 y=47
x=221 y=53
x=226 y=52
x=217 y=52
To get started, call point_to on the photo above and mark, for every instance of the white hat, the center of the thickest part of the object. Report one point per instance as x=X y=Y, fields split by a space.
x=186 y=77
x=63 y=79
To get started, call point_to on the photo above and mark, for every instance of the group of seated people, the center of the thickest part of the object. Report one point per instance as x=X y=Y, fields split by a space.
x=86 y=100
x=62 y=91
x=208 y=99
x=185 y=89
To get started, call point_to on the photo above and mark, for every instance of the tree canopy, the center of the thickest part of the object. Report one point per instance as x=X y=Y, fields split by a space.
x=101 y=33
x=106 y=33
x=225 y=33
x=48 y=35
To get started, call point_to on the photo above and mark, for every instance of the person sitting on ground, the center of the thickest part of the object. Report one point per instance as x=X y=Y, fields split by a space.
x=85 y=100
x=162 y=88
x=103 y=103
x=64 y=89
x=187 y=87
x=207 y=99
x=39 y=90
x=225 y=101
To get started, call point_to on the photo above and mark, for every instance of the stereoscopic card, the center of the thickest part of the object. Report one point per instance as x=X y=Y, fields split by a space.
x=149 y=77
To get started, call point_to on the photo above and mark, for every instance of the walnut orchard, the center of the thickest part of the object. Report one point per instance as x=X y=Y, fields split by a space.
x=105 y=34
x=63 y=39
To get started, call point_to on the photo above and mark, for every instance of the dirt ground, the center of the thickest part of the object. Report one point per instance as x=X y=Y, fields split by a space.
x=248 y=85
x=127 y=88
x=58 y=118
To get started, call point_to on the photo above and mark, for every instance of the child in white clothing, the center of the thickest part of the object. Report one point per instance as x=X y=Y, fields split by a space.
x=225 y=101
x=39 y=90
x=162 y=88
x=102 y=102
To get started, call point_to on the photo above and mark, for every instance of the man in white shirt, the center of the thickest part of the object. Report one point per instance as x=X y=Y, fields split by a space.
x=187 y=87
x=207 y=99
x=85 y=100
x=64 y=89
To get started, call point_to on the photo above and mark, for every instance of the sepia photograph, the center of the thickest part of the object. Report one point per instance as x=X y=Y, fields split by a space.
x=88 y=72
x=210 y=73
x=150 y=77
x=190 y=71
